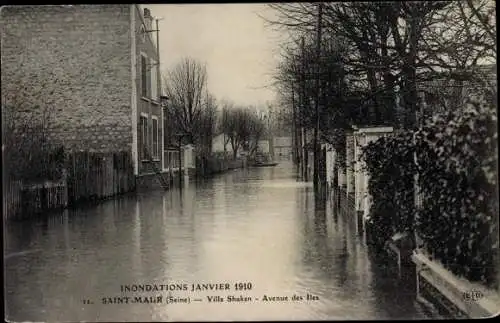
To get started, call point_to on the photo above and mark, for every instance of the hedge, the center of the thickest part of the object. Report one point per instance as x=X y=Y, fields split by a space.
x=457 y=171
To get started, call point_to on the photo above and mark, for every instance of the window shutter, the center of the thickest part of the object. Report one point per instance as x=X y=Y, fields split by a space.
x=144 y=81
x=148 y=78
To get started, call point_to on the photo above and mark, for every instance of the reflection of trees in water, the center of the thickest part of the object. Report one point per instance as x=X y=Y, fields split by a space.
x=272 y=174
x=325 y=257
x=18 y=236
x=319 y=202
x=320 y=195
x=335 y=212
x=350 y=264
x=203 y=184
x=386 y=287
x=341 y=259
x=184 y=215
x=325 y=251
x=136 y=239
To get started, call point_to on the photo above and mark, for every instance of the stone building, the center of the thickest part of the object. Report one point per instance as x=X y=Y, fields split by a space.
x=94 y=69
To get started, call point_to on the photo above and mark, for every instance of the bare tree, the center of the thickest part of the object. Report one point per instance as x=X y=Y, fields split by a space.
x=234 y=126
x=206 y=125
x=299 y=77
x=242 y=126
x=483 y=16
x=257 y=130
x=185 y=85
x=394 y=46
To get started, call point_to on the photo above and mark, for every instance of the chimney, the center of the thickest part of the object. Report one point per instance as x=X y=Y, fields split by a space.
x=148 y=19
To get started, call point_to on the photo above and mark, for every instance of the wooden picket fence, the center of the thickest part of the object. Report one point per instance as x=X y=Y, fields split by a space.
x=38 y=198
x=94 y=176
x=12 y=199
x=87 y=176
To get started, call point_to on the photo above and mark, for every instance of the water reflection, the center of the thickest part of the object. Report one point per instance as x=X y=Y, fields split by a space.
x=256 y=225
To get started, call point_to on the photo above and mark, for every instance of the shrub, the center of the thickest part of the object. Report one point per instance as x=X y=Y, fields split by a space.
x=31 y=157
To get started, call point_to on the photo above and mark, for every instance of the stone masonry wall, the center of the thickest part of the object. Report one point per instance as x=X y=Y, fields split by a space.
x=73 y=61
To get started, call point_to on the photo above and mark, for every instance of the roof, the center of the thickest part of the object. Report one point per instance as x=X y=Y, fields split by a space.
x=459 y=78
x=374 y=129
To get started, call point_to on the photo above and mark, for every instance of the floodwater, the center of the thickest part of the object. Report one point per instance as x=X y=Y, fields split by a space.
x=259 y=229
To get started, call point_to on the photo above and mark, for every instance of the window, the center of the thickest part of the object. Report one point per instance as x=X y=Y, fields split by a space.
x=173 y=159
x=156 y=145
x=143 y=133
x=154 y=80
x=145 y=77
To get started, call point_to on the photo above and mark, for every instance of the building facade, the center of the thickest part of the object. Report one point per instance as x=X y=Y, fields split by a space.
x=94 y=69
x=283 y=148
x=219 y=144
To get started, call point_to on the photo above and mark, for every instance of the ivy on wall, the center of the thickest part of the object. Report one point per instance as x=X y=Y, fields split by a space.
x=457 y=166
x=389 y=161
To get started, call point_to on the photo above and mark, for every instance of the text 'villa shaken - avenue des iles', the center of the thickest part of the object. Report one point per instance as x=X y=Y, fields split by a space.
x=265 y=298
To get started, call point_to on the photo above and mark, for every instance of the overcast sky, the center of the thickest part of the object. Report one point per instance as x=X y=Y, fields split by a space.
x=239 y=50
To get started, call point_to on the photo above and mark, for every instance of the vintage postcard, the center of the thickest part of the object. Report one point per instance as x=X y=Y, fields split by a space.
x=250 y=162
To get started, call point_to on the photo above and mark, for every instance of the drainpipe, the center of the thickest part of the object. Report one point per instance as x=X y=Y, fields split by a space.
x=159 y=93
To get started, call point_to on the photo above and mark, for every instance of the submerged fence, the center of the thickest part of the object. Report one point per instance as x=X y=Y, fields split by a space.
x=86 y=176
x=12 y=198
x=216 y=164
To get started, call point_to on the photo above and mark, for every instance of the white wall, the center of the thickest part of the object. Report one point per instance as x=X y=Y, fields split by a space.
x=282 y=141
x=341 y=176
x=263 y=146
x=330 y=164
x=218 y=144
x=188 y=161
x=350 y=162
x=363 y=137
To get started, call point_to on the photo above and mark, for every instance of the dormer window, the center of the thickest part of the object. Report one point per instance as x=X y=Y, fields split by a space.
x=148 y=19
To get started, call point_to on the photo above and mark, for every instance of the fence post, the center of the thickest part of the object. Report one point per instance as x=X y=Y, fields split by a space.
x=44 y=196
x=65 y=188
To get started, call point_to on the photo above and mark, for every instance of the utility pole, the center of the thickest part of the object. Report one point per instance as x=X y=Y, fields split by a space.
x=180 y=162
x=316 y=103
x=294 y=129
x=303 y=137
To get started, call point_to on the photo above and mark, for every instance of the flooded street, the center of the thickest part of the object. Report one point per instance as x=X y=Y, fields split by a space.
x=259 y=227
